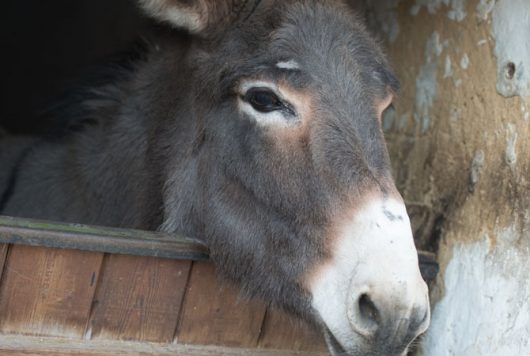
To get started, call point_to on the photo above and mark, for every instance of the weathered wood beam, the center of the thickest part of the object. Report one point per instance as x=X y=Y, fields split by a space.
x=99 y=239
x=428 y=266
x=30 y=345
x=126 y=241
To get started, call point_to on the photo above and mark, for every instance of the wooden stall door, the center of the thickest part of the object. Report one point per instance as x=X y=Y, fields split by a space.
x=46 y=291
x=139 y=298
x=103 y=297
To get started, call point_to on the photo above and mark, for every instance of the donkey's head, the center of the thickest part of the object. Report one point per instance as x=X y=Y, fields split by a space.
x=294 y=193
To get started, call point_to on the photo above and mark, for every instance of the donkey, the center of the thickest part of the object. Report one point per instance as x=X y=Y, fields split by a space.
x=255 y=127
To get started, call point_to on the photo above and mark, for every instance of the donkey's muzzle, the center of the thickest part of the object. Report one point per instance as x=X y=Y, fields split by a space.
x=371 y=295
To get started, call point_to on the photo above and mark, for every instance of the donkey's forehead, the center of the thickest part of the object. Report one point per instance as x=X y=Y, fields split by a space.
x=318 y=27
x=321 y=39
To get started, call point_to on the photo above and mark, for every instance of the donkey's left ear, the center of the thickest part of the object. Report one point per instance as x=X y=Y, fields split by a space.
x=199 y=17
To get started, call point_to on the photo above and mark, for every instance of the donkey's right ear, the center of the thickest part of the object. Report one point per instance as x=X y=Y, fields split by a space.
x=199 y=17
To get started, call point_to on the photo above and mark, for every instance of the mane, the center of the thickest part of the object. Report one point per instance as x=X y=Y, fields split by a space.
x=82 y=105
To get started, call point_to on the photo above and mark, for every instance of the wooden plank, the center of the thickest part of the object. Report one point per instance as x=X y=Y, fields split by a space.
x=429 y=268
x=102 y=239
x=14 y=345
x=139 y=298
x=3 y=255
x=126 y=241
x=215 y=314
x=284 y=332
x=47 y=291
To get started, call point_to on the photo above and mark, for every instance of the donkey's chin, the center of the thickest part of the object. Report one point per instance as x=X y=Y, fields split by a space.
x=362 y=349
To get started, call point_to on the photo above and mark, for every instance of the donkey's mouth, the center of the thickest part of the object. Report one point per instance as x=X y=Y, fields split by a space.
x=334 y=346
x=336 y=349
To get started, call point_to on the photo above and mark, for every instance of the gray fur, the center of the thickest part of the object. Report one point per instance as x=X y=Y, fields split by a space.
x=166 y=148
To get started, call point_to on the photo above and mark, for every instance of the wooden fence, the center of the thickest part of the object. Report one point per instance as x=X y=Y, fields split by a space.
x=74 y=289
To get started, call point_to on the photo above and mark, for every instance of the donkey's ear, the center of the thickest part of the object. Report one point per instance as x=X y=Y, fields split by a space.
x=200 y=17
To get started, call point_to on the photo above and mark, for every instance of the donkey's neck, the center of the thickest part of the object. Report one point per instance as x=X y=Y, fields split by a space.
x=171 y=132
x=129 y=161
x=149 y=150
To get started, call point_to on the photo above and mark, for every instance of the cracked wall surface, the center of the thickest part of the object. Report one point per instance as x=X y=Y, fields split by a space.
x=459 y=139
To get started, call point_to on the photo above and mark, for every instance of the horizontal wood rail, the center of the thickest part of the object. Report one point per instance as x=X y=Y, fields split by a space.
x=11 y=345
x=99 y=239
x=126 y=241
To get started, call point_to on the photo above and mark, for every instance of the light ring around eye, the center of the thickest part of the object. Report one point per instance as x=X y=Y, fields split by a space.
x=264 y=102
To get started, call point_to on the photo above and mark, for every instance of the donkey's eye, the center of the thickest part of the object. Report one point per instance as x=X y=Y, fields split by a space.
x=263 y=100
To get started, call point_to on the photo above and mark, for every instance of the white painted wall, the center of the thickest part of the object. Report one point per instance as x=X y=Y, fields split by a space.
x=486 y=307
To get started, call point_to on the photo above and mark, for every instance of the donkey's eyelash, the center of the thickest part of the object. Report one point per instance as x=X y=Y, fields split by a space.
x=246 y=85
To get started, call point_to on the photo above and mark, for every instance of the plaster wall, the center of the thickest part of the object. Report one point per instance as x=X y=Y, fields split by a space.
x=459 y=138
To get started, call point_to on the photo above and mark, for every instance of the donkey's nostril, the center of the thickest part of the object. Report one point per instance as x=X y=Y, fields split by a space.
x=367 y=309
x=373 y=317
x=364 y=316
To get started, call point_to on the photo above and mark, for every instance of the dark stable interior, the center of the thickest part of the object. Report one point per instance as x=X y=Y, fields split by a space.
x=49 y=47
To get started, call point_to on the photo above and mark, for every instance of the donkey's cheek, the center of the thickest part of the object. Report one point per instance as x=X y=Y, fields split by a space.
x=371 y=286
